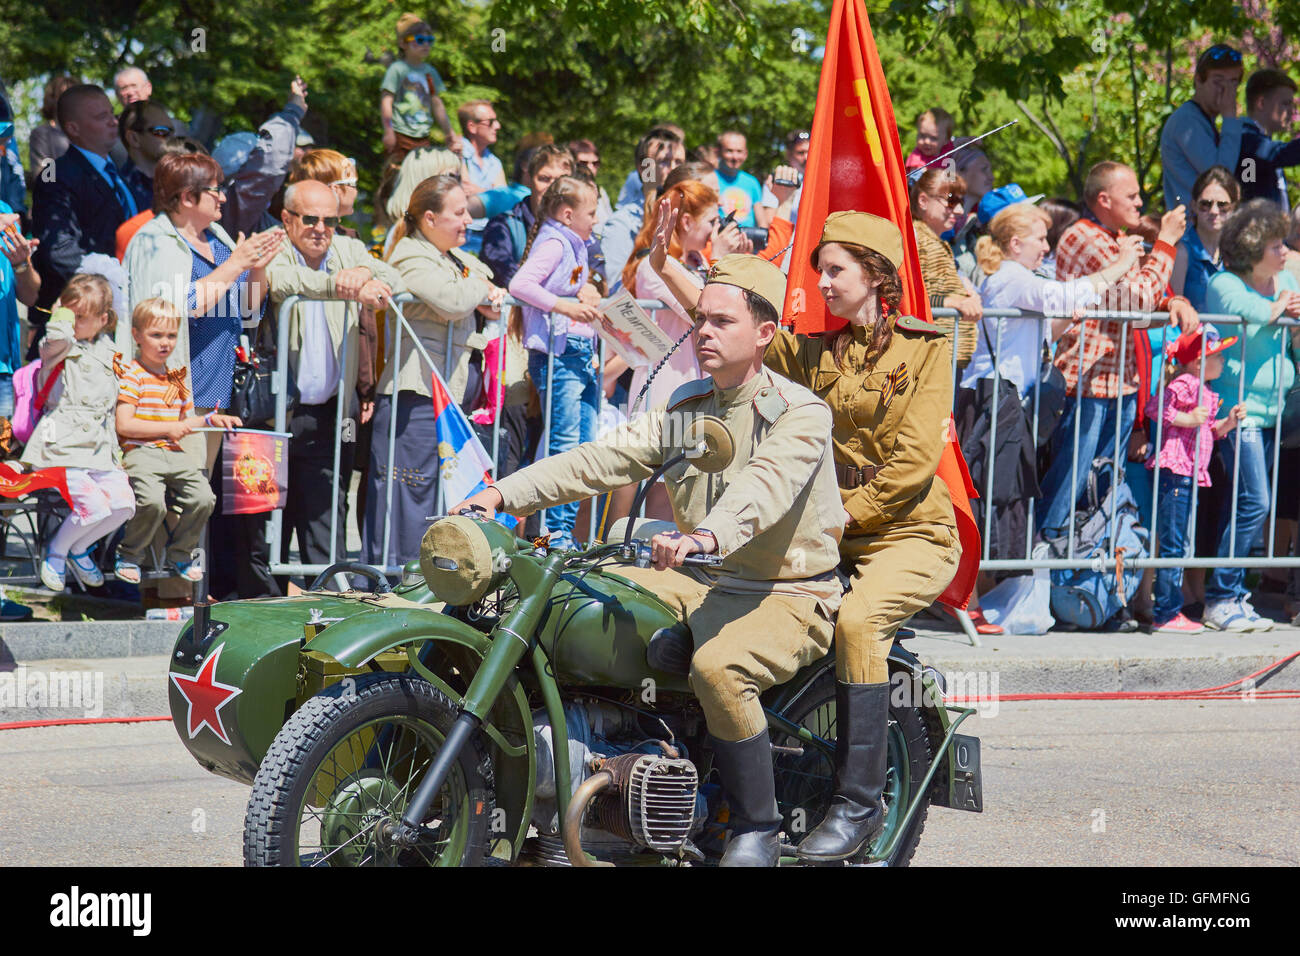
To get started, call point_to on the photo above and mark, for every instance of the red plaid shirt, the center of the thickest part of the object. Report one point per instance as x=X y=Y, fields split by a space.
x=1085 y=248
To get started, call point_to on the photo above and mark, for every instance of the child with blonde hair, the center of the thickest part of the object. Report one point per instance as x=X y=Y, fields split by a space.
x=154 y=412
x=76 y=432
x=933 y=137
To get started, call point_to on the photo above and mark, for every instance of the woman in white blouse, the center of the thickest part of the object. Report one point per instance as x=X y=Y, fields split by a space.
x=1008 y=255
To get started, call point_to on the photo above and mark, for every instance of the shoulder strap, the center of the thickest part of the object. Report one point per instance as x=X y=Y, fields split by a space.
x=39 y=401
x=993 y=356
x=912 y=324
x=690 y=390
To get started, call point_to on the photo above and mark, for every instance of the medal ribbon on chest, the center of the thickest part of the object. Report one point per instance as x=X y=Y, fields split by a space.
x=895 y=384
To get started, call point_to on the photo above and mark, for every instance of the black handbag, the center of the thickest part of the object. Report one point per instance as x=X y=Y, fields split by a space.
x=251 y=398
x=1291 y=418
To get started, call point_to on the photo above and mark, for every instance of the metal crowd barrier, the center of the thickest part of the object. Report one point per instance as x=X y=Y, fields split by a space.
x=1120 y=454
x=400 y=331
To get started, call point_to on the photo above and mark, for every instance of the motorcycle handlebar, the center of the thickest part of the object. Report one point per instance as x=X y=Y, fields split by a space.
x=641 y=556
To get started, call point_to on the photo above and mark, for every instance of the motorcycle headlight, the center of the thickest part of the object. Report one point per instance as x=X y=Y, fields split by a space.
x=456 y=560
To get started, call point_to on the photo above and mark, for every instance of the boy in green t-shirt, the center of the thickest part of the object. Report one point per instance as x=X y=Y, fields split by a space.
x=410 y=101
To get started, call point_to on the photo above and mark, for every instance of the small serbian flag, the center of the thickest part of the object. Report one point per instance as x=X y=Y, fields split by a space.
x=254 y=471
x=464 y=466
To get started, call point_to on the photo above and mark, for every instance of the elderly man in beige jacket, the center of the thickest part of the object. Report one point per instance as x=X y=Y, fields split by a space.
x=318 y=264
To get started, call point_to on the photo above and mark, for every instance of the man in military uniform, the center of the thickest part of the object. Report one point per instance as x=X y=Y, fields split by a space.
x=774 y=516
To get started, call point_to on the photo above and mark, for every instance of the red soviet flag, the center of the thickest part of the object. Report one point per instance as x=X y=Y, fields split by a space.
x=855 y=162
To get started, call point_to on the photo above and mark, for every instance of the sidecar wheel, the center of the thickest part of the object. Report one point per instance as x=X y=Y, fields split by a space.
x=805 y=784
x=347 y=761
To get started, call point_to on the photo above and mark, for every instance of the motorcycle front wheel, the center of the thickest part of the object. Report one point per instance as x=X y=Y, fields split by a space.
x=806 y=783
x=342 y=770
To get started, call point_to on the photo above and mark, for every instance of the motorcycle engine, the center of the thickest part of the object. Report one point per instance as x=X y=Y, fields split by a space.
x=653 y=801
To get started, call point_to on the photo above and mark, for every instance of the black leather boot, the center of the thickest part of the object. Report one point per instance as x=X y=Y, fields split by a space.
x=747 y=780
x=857 y=812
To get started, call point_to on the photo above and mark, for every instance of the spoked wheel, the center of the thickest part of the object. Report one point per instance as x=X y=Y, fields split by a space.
x=342 y=770
x=805 y=784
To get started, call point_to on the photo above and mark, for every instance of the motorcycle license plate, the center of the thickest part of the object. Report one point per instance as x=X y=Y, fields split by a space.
x=967 y=786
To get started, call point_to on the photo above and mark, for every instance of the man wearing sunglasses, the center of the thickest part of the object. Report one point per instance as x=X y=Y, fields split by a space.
x=144 y=127
x=481 y=169
x=1191 y=142
x=319 y=264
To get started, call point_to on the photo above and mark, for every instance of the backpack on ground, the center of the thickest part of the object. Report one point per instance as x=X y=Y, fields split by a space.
x=29 y=402
x=1088 y=598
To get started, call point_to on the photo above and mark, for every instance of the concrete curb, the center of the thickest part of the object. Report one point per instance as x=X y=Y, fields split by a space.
x=126 y=670
x=1106 y=663
x=47 y=640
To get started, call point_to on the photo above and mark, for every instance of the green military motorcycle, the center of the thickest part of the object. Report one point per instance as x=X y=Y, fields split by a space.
x=509 y=703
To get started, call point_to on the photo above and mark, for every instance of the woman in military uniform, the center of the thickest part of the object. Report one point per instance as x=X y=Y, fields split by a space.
x=887 y=378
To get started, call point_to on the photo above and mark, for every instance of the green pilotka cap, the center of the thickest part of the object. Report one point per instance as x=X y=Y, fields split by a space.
x=864 y=229
x=752 y=274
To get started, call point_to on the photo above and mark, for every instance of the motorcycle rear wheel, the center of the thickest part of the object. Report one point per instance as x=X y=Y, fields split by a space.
x=806 y=783
x=347 y=761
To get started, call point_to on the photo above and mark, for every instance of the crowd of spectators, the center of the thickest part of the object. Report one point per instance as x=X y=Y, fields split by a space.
x=218 y=235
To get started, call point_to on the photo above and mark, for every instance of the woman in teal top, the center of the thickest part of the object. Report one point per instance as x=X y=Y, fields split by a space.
x=1255 y=286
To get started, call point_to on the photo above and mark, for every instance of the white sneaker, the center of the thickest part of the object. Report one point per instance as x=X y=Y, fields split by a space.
x=1257 y=622
x=52 y=579
x=1226 y=616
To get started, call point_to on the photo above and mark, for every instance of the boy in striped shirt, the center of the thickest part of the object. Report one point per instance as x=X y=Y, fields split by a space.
x=154 y=412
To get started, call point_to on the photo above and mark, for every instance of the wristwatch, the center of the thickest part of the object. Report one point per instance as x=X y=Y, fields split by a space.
x=22 y=267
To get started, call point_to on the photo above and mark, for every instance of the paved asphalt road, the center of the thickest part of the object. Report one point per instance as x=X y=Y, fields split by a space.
x=1066 y=784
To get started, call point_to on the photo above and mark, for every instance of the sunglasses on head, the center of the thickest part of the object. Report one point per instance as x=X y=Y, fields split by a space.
x=1221 y=52
x=330 y=222
x=424 y=39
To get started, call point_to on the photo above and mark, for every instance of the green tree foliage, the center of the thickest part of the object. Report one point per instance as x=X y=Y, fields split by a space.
x=1087 y=79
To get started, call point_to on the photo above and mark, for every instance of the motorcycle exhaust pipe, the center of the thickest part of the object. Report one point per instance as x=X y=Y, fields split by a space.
x=572 y=828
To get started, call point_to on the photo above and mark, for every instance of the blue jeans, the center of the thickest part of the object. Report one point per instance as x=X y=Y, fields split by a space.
x=1175 y=510
x=1229 y=584
x=1096 y=436
x=575 y=406
x=7 y=395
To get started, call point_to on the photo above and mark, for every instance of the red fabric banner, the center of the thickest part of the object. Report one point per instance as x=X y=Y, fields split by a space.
x=15 y=484
x=855 y=162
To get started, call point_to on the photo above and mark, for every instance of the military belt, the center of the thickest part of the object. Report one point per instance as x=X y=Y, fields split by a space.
x=850 y=476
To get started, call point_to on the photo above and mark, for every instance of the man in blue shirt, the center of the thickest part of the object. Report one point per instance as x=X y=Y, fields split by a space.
x=483 y=169
x=1191 y=143
x=1270 y=105
x=738 y=191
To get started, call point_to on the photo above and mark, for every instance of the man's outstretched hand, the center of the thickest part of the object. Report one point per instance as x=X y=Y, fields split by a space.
x=489 y=499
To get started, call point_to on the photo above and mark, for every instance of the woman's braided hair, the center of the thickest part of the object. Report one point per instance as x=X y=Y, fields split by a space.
x=565 y=191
